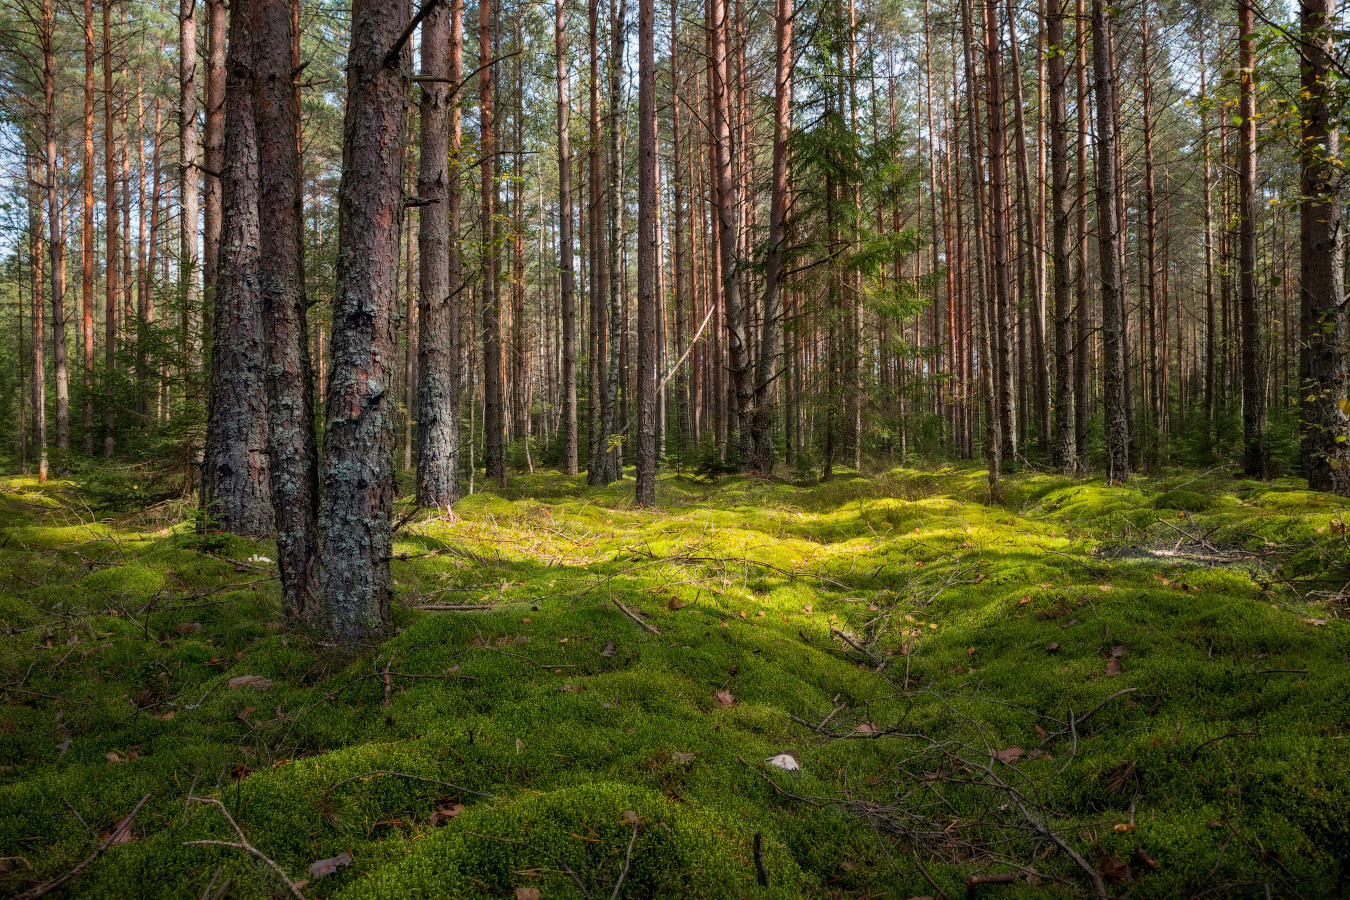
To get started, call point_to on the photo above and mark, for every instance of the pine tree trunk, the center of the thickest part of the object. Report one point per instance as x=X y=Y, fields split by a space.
x=189 y=263
x=1255 y=456
x=596 y=465
x=494 y=393
x=290 y=426
x=565 y=249
x=110 y=228
x=236 y=481
x=1082 y=368
x=437 y=450
x=87 y=233
x=647 y=261
x=1109 y=253
x=213 y=146
x=355 y=535
x=38 y=299
x=56 y=244
x=1324 y=380
x=1066 y=451
x=1001 y=326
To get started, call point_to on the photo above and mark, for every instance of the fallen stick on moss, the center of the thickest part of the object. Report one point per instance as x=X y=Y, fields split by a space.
x=242 y=845
x=114 y=836
x=634 y=616
x=462 y=790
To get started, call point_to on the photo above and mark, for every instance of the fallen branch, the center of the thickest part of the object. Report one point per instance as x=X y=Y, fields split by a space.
x=113 y=837
x=634 y=616
x=876 y=661
x=454 y=607
x=1222 y=737
x=244 y=845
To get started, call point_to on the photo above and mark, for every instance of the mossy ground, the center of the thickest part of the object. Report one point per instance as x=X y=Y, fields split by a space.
x=122 y=636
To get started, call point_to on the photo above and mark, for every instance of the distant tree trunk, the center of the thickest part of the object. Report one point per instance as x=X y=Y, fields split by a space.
x=437 y=453
x=355 y=525
x=596 y=465
x=290 y=425
x=1256 y=453
x=189 y=263
x=647 y=261
x=1066 y=451
x=1082 y=368
x=494 y=391
x=565 y=251
x=1157 y=374
x=1210 y=337
x=1324 y=331
x=455 y=282
x=236 y=485
x=1109 y=252
x=110 y=260
x=38 y=299
x=56 y=243
x=1001 y=326
x=767 y=373
x=87 y=233
x=609 y=416
x=213 y=145
x=727 y=210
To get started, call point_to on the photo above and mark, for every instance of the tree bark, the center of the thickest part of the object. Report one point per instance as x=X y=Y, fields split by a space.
x=355 y=536
x=213 y=145
x=1109 y=252
x=110 y=279
x=56 y=243
x=437 y=406
x=494 y=389
x=1324 y=332
x=38 y=299
x=1256 y=452
x=189 y=262
x=290 y=425
x=565 y=250
x=87 y=233
x=236 y=485
x=1066 y=451
x=647 y=261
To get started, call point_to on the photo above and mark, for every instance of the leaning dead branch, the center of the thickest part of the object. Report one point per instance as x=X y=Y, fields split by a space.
x=116 y=836
x=243 y=845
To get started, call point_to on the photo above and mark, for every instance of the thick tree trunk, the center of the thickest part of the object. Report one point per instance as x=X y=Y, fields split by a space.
x=290 y=424
x=1066 y=451
x=437 y=406
x=355 y=524
x=236 y=481
x=565 y=251
x=1256 y=452
x=1109 y=252
x=648 y=260
x=1324 y=332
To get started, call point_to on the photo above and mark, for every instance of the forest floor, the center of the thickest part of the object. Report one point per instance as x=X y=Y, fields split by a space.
x=1141 y=691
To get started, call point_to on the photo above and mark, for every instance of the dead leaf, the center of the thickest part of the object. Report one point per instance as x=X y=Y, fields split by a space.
x=253 y=681
x=743 y=615
x=520 y=745
x=1024 y=601
x=1119 y=650
x=187 y=627
x=631 y=817
x=866 y=728
x=807 y=609
x=609 y=649
x=683 y=757
x=1112 y=869
x=1123 y=827
x=573 y=688
x=244 y=713
x=724 y=698
x=1103 y=587
x=113 y=756
x=1040 y=732
x=970 y=652
x=785 y=761
x=1009 y=756
x=1316 y=621
x=760 y=614
x=676 y=604
x=1213 y=824
x=1142 y=859
x=445 y=813
x=328 y=866
x=1113 y=667
x=527 y=893
x=1051 y=647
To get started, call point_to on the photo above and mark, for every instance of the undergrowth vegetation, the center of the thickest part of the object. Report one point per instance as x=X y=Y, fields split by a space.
x=1142 y=691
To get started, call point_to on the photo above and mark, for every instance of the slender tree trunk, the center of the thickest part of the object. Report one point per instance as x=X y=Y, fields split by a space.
x=1210 y=337
x=290 y=426
x=565 y=252
x=1110 y=251
x=110 y=279
x=1256 y=453
x=494 y=393
x=767 y=373
x=1002 y=324
x=56 y=244
x=596 y=465
x=1324 y=332
x=236 y=478
x=1066 y=451
x=38 y=299
x=87 y=233
x=436 y=445
x=647 y=261
x=1083 y=342
x=355 y=535
x=213 y=146
x=189 y=262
